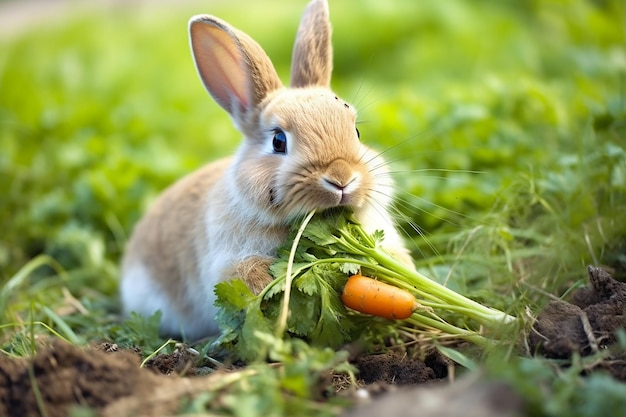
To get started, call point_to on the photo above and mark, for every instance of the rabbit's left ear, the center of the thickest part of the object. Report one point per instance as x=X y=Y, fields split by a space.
x=312 y=59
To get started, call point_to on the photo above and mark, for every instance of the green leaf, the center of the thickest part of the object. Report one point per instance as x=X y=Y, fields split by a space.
x=249 y=347
x=350 y=268
x=232 y=299
x=233 y=294
x=278 y=269
x=308 y=282
x=322 y=228
x=274 y=288
x=142 y=331
x=379 y=237
x=332 y=275
x=304 y=312
x=230 y=314
x=330 y=331
x=458 y=357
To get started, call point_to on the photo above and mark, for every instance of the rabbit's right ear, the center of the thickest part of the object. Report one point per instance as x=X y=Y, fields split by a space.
x=233 y=67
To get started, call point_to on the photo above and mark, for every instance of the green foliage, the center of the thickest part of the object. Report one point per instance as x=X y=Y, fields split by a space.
x=551 y=391
x=316 y=316
x=330 y=246
x=138 y=331
x=291 y=388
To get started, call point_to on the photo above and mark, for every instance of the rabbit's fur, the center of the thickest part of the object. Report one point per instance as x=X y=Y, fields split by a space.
x=228 y=218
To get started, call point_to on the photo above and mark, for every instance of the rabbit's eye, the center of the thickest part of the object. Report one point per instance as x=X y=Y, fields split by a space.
x=280 y=141
x=358 y=134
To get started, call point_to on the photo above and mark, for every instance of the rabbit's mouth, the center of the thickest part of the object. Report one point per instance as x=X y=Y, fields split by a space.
x=341 y=183
x=320 y=195
x=341 y=191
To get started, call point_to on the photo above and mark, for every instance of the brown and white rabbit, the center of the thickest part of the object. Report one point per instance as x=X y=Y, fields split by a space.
x=300 y=151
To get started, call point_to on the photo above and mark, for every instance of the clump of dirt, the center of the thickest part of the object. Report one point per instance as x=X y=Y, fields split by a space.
x=64 y=376
x=183 y=362
x=394 y=368
x=103 y=378
x=585 y=325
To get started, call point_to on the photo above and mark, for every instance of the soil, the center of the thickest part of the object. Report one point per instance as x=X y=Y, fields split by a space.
x=110 y=380
x=393 y=368
x=66 y=376
x=103 y=378
x=586 y=324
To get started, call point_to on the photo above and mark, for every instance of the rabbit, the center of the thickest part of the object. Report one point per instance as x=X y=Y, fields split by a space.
x=301 y=151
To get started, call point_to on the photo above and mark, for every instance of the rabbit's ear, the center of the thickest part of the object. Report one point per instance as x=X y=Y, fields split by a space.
x=233 y=67
x=312 y=59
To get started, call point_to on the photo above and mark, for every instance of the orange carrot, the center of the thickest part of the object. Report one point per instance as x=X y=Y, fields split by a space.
x=369 y=296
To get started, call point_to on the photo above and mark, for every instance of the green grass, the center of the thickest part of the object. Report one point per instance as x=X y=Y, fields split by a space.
x=504 y=121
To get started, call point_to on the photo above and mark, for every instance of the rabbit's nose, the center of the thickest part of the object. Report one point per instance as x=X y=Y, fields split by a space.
x=339 y=171
x=341 y=181
x=339 y=175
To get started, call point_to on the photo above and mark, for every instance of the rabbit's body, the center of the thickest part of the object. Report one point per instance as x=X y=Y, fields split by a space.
x=301 y=151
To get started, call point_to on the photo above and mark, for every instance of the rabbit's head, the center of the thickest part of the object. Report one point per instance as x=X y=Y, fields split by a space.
x=301 y=148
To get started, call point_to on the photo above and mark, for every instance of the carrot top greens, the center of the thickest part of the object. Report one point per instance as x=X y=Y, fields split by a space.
x=332 y=246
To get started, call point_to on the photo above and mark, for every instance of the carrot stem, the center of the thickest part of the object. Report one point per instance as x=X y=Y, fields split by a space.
x=407 y=277
x=281 y=325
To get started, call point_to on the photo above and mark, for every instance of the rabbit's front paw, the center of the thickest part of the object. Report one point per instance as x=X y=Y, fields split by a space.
x=254 y=271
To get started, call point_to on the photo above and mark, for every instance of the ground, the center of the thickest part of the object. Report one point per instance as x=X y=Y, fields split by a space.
x=109 y=380
x=586 y=324
x=553 y=109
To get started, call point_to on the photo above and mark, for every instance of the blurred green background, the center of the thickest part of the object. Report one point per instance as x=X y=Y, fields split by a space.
x=502 y=120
